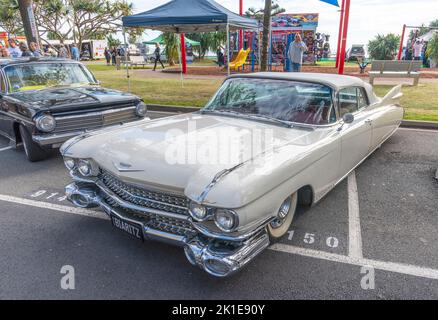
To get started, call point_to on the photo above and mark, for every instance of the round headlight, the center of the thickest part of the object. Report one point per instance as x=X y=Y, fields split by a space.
x=226 y=220
x=197 y=211
x=69 y=163
x=141 y=109
x=45 y=123
x=85 y=168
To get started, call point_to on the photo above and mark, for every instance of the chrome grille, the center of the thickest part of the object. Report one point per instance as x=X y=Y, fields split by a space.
x=95 y=120
x=176 y=226
x=144 y=197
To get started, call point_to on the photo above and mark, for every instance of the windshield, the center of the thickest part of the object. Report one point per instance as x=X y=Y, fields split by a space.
x=280 y=100
x=34 y=76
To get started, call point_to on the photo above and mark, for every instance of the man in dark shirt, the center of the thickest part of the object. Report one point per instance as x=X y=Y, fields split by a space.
x=157 y=53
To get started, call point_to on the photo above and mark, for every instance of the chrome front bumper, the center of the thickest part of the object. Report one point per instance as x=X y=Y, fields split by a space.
x=218 y=257
x=55 y=139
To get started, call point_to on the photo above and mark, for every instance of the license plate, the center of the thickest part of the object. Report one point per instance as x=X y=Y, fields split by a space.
x=133 y=229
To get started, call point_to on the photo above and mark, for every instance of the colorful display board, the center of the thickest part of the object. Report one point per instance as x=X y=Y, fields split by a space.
x=284 y=25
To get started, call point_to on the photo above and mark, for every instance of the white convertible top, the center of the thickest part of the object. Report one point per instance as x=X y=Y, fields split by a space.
x=334 y=81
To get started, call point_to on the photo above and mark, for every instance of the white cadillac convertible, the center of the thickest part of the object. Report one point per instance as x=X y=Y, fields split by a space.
x=225 y=182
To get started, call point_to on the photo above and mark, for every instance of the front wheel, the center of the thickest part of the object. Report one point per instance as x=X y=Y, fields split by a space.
x=281 y=224
x=33 y=151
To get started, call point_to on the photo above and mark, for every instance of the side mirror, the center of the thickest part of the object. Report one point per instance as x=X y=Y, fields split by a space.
x=348 y=118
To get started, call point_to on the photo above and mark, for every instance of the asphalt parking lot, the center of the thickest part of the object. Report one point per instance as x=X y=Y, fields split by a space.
x=384 y=217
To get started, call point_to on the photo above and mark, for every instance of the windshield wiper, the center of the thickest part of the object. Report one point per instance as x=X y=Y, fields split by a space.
x=271 y=119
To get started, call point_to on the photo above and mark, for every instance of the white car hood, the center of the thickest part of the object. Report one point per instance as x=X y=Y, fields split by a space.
x=186 y=151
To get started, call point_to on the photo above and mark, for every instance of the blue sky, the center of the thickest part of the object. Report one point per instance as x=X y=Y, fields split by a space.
x=368 y=17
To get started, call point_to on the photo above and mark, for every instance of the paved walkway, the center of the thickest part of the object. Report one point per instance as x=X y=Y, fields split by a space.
x=170 y=75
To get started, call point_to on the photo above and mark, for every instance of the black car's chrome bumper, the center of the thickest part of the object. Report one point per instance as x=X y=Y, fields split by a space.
x=218 y=257
x=55 y=140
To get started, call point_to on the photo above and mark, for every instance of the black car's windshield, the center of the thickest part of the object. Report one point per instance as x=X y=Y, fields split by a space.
x=34 y=76
x=279 y=100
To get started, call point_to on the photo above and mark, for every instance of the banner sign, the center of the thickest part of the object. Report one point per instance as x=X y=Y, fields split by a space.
x=287 y=21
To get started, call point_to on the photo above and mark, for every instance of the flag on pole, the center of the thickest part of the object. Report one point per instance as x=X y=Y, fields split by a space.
x=333 y=2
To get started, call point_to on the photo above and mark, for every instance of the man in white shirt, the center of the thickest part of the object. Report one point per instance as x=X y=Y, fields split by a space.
x=14 y=51
x=418 y=49
x=295 y=53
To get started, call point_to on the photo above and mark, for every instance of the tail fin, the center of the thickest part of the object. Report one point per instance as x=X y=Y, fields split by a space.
x=393 y=96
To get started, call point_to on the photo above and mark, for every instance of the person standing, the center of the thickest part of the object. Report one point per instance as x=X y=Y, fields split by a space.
x=157 y=53
x=14 y=51
x=33 y=46
x=107 y=54
x=220 y=57
x=4 y=53
x=75 y=52
x=25 y=52
x=62 y=53
x=113 y=55
x=296 y=52
x=418 y=49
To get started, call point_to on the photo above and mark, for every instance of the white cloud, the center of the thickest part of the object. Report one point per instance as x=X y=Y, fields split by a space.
x=368 y=17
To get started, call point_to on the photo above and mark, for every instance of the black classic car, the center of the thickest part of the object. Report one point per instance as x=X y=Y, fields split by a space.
x=46 y=101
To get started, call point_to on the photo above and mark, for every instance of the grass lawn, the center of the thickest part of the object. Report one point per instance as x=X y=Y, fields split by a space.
x=192 y=93
x=420 y=103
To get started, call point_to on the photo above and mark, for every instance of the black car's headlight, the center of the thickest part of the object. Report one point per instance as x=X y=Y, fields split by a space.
x=45 y=123
x=141 y=109
x=226 y=220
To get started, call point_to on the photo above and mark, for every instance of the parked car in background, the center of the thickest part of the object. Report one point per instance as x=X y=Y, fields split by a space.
x=356 y=52
x=46 y=101
x=293 y=138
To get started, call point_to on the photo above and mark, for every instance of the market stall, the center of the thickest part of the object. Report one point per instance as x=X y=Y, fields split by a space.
x=191 y=16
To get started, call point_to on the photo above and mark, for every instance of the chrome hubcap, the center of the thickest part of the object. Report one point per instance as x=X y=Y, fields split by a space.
x=282 y=213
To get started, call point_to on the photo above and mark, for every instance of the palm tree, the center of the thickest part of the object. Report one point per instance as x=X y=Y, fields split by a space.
x=266 y=31
x=384 y=47
x=171 y=41
x=432 y=48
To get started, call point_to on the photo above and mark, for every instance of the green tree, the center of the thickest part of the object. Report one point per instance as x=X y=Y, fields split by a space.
x=258 y=14
x=113 y=42
x=171 y=41
x=432 y=48
x=209 y=41
x=94 y=17
x=384 y=47
x=10 y=19
x=271 y=9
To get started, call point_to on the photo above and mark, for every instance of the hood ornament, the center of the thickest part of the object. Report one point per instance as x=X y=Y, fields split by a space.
x=125 y=167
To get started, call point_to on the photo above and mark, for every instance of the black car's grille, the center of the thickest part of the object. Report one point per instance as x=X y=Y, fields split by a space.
x=144 y=197
x=95 y=120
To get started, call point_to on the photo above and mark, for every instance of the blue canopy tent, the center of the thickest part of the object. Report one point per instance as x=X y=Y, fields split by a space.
x=191 y=16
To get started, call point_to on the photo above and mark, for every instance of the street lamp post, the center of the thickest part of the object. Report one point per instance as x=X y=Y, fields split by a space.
x=29 y=24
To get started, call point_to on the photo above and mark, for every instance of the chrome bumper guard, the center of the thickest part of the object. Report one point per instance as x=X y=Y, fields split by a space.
x=220 y=258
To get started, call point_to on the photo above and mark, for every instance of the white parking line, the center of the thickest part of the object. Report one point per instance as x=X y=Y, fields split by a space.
x=354 y=231
x=380 y=265
x=322 y=255
x=4 y=149
x=53 y=207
